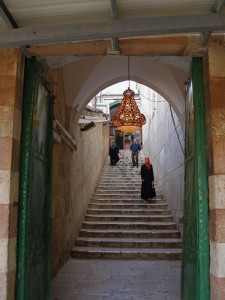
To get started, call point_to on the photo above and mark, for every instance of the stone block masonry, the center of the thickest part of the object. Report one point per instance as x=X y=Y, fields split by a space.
x=75 y=173
x=11 y=86
x=215 y=125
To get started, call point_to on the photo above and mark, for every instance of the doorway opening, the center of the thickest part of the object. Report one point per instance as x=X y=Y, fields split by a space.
x=90 y=144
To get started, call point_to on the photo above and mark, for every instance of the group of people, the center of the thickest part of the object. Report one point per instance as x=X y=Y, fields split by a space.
x=147 y=174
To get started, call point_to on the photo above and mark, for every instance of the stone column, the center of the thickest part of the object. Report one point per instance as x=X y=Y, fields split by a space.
x=215 y=122
x=11 y=84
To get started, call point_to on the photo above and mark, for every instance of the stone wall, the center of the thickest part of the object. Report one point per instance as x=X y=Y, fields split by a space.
x=11 y=87
x=75 y=174
x=214 y=70
x=161 y=144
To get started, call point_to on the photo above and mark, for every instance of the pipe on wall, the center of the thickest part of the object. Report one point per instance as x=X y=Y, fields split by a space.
x=61 y=134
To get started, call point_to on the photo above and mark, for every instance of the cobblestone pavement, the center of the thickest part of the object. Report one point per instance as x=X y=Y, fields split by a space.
x=81 y=279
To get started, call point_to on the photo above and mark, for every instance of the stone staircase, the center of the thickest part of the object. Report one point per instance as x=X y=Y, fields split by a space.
x=120 y=225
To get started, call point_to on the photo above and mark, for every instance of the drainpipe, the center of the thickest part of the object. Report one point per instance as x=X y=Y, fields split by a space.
x=60 y=133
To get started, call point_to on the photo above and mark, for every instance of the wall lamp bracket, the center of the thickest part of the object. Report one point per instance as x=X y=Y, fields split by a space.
x=88 y=126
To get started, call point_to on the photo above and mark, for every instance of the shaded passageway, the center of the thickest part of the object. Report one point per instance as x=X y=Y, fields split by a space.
x=119 y=225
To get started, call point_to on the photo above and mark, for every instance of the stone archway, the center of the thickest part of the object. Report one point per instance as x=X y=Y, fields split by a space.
x=96 y=73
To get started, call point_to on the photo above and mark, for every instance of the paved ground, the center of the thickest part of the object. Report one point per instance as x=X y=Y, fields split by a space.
x=81 y=279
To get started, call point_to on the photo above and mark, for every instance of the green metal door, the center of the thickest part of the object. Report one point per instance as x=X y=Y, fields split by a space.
x=34 y=231
x=195 y=265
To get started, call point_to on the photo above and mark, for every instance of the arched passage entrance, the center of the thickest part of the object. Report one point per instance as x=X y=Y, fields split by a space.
x=163 y=76
x=174 y=18
x=96 y=73
x=77 y=95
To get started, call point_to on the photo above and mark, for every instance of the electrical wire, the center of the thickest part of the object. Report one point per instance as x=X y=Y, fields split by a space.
x=150 y=99
x=128 y=67
x=171 y=112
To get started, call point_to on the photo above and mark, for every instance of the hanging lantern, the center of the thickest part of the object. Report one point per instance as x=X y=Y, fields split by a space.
x=128 y=117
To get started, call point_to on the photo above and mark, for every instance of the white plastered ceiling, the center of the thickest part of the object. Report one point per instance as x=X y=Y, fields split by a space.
x=85 y=78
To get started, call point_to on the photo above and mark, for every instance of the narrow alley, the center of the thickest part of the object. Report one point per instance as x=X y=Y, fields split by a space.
x=76 y=77
x=119 y=225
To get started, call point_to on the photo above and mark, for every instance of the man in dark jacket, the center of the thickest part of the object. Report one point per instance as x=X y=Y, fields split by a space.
x=135 y=149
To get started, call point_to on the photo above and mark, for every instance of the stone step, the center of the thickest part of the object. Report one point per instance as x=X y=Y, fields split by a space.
x=128 y=225
x=115 y=201
x=92 y=211
x=123 y=165
x=120 y=196
x=131 y=175
x=119 y=186
x=125 y=233
x=130 y=206
x=122 y=177
x=134 y=191
x=127 y=253
x=118 y=181
x=122 y=170
x=126 y=184
x=114 y=179
x=128 y=218
x=119 y=189
x=128 y=173
x=116 y=197
x=128 y=243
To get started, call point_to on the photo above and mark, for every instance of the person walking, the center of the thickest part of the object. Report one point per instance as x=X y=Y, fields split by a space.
x=147 y=177
x=113 y=153
x=135 y=149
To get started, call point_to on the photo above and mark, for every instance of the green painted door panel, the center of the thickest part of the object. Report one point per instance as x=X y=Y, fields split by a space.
x=195 y=262
x=33 y=257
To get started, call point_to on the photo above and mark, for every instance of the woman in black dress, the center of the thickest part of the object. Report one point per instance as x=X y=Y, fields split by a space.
x=113 y=153
x=147 y=177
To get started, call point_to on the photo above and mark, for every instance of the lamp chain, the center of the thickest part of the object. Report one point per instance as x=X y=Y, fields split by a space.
x=129 y=70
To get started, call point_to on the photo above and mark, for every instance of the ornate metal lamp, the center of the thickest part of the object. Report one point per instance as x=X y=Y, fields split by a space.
x=128 y=117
